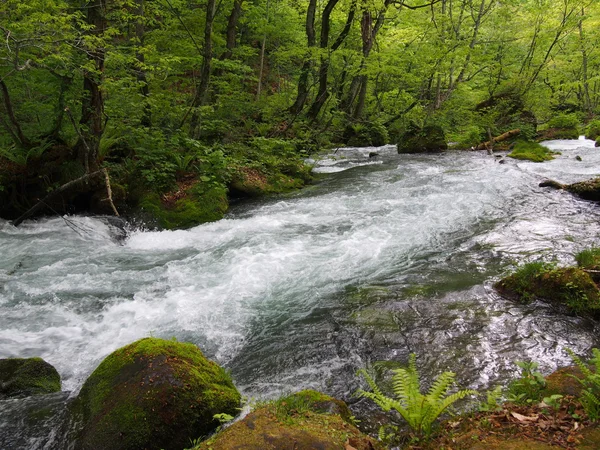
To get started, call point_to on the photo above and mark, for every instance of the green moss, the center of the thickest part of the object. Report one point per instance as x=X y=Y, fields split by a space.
x=27 y=376
x=570 y=287
x=153 y=394
x=300 y=421
x=192 y=209
x=531 y=151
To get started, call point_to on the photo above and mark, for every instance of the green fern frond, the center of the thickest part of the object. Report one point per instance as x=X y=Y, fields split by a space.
x=577 y=360
x=441 y=385
x=420 y=411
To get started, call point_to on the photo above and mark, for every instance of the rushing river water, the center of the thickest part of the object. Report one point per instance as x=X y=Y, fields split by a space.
x=381 y=257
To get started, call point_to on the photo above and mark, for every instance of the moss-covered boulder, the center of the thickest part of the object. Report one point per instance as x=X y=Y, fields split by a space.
x=304 y=421
x=21 y=377
x=248 y=182
x=184 y=208
x=153 y=394
x=430 y=138
x=570 y=287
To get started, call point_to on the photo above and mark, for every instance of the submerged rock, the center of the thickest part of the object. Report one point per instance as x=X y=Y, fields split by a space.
x=153 y=394
x=22 y=377
x=430 y=138
x=304 y=421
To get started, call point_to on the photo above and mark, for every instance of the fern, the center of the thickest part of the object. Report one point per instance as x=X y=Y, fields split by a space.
x=590 y=395
x=419 y=410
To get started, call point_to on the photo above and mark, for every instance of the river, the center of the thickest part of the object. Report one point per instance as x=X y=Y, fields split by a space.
x=381 y=257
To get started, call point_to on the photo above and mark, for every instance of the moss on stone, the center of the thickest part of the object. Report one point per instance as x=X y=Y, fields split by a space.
x=304 y=421
x=27 y=376
x=193 y=208
x=531 y=151
x=250 y=182
x=153 y=394
x=571 y=287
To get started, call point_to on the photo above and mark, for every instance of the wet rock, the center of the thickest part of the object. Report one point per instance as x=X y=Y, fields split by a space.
x=304 y=421
x=578 y=158
x=502 y=161
x=373 y=154
x=153 y=394
x=22 y=377
x=430 y=138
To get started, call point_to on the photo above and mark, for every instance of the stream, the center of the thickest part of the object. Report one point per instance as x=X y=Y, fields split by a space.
x=382 y=256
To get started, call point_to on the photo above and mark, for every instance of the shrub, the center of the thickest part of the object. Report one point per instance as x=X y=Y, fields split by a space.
x=564 y=121
x=592 y=131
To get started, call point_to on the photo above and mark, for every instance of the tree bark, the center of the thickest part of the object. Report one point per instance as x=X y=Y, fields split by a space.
x=504 y=136
x=16 y=132
x=142 y=79
x=207 y=54
x=92 y=105
x=302 y=95
x=232 y=24
x=323 y=93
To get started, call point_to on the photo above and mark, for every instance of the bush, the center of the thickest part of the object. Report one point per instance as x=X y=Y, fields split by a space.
x=592 y=131
x=564 y=121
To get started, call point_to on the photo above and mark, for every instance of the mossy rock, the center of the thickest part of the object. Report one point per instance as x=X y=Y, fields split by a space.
x=430 y=138
x=250 y=182
x=570 y=287
x=153 y=394
x=564 y=381
x=184 y=210
x=531 y=151
x=304 y=421
x=590 y=438
x=22 y=377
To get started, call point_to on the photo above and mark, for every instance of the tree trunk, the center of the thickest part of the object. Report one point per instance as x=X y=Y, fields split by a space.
x=302 y=95
x=232 y=24
x=203 y=83
x=323 y=93
x=14 y=128
x=92 y=105
x=489 y=144
x=140 y=34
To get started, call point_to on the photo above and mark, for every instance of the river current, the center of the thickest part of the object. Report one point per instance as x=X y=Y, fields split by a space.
x=382 y=256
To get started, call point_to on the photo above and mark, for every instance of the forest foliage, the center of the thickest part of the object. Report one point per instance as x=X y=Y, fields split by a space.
x=173 y=94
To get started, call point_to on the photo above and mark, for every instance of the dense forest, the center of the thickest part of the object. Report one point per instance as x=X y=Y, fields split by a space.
x=169 y=108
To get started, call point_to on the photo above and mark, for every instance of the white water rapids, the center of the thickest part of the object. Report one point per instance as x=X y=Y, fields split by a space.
x=383 y=256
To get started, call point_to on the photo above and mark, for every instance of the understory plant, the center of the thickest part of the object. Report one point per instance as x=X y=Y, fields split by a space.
x=419 y=410
x=590 y=394
x=529 y=387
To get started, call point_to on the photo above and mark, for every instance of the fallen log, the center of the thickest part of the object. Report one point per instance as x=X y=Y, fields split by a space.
x=504 y=136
